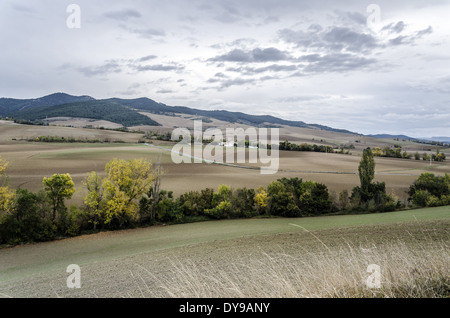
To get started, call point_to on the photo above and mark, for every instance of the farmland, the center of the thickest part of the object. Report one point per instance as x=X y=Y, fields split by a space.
x=291 y=257
x=30 y=162
x=171 y=261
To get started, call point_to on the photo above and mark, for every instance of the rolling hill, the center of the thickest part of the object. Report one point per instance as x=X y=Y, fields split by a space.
x=126 y=111
x=100 y=110
x=9 y=106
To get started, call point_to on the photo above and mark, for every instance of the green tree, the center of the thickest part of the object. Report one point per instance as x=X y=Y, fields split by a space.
x=59 y=188
x=366 y=171
x=94 y=199
x=314 y=198
x=282 y=202
x=429 y=185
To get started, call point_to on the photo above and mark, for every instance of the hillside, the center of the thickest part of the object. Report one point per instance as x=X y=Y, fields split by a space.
x=125 y=111
x=9 y=106
x=100 y=110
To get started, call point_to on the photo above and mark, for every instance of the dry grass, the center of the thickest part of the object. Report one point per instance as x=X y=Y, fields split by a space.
x=414 y=258
x=406 y=272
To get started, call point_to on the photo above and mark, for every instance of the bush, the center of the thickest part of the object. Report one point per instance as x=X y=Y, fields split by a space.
x=221 y=211
x=314 y=198
x=168 y=210
x=194 y=203
x=433 y=201
x=282 y=202
x=420 y=197
x=28 y=221
x=243 y=203
x=430 y=190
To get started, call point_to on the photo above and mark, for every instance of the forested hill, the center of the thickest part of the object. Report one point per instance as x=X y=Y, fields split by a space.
x=126 y=111
x=100 y=110
x=10 y=106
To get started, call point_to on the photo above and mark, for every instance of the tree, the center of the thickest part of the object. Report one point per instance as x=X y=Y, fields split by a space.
x=221 y=203
x=3 y=166
x=314 y=198
x=366 y=171
x=430 y=186
x=343 y=200
x=282 y=202
x=261 y=200
x=94 y=198
x=154 y=193
x=6 y=195
x=59 y=188
x=243 y=203
x=148 y=204
x=195 y=203
x=126 y=182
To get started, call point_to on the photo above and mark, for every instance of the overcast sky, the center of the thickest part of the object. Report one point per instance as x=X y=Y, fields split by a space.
x=336 y=63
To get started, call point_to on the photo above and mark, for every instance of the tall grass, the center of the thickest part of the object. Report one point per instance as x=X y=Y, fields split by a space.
x=406 y=271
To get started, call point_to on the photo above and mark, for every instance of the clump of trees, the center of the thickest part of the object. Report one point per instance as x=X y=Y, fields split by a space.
x=26 y=216
x=288 y=146
x=430 y=190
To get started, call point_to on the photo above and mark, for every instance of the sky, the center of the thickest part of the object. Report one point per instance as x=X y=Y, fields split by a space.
x=369 y=67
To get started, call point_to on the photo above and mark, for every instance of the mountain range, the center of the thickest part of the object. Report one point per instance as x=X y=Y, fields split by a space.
x=127 y=111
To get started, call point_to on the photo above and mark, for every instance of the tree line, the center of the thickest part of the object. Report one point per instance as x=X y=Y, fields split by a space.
x=397 y=152
x=130 y=195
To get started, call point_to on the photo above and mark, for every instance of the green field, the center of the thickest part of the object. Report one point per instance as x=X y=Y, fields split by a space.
x=108 y=258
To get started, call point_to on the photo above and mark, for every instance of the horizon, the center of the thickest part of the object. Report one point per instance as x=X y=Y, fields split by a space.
x=322 y=62
x=312 y=123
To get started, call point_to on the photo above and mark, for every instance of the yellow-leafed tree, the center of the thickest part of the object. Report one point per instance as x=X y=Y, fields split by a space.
x=261 y=199
x=6 y=195
x=124 y=185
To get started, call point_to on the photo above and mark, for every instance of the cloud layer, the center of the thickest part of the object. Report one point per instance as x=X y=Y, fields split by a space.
x=318 y=62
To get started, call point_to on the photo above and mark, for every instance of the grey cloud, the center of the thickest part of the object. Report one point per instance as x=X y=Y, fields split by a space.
x=149 y=32
x=428 y=30
x=395 y=27
x=123 y=15
x=352 y=17
x=271 y=68
x=341 y=38
x=345 y=39
x=107 y=68
x=315 y=27
x=336 y=62
x=410 y=39
x=158 y=67
x=164 y=91
x=22 y=8
x=236 y=81
x=144 y=33
x=255 y=56
x=300 y=38
x=303 y=98
x=336 y=38
x=147 y=58
x=400 y=40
